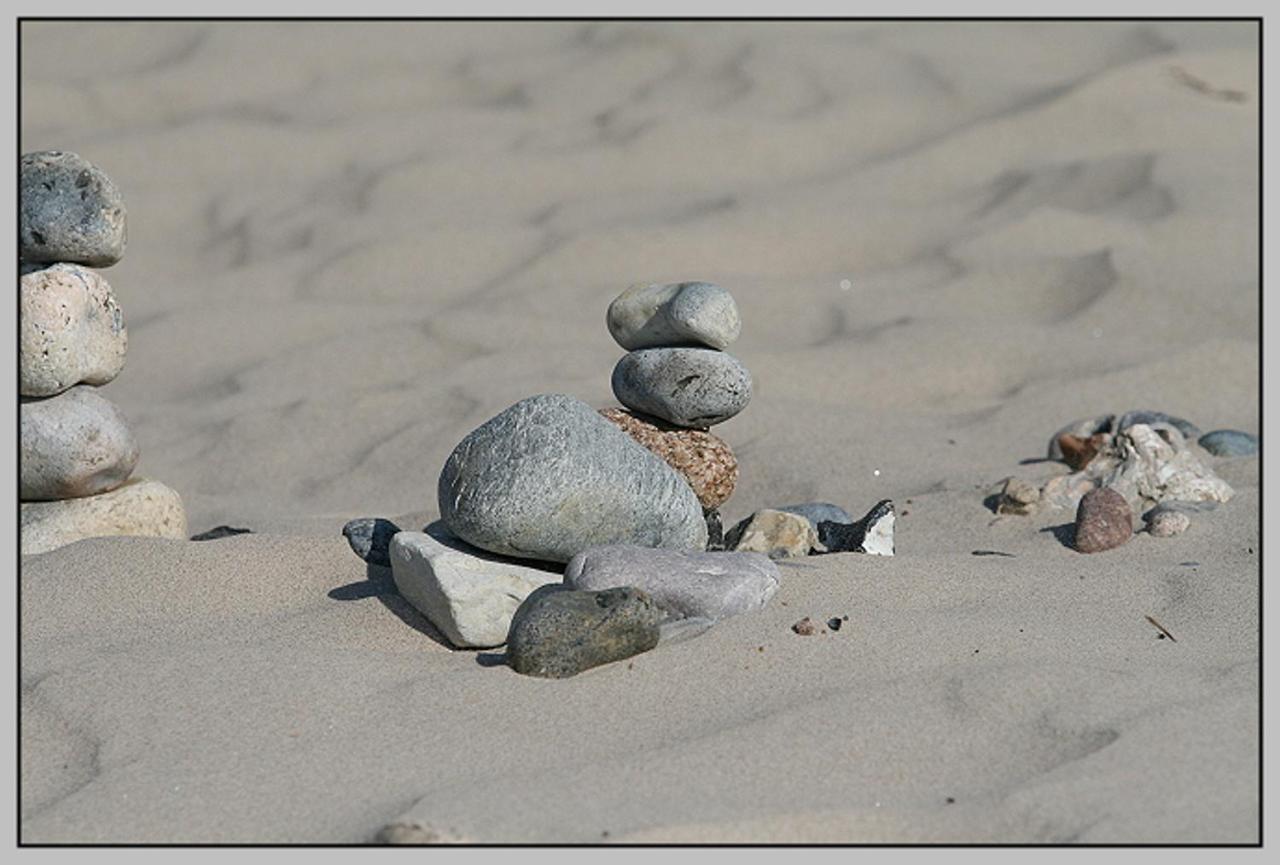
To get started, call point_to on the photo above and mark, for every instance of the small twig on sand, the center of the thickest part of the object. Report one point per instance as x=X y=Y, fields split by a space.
x=1162 y=629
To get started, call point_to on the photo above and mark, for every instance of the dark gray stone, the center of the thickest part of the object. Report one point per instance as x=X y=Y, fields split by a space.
x=686 y=585
x=1145 y=416
x=70 y=211
x=219 y=532
x=370 y=539
x=871 y=534
x=715 y=530
x=558 y=632
x=689 y=387
x=549 y=477
x=1229 y=443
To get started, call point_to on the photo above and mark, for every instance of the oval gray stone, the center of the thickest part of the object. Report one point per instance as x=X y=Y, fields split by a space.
x=679 y=313
x=70 y=211
x=1229 y=443
x=549 y=477
x=70 y=330
x=558 y=632
x=73 y=444
x=685 y=584
x=689 y=387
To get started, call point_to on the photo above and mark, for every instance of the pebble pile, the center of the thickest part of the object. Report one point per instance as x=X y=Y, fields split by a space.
x=579 y=537
x=1140 y=462
x=78 y=450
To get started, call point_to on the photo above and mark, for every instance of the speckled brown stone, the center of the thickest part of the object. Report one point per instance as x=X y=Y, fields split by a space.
x=703 y=459
x=805 y=627
x=1103 y=521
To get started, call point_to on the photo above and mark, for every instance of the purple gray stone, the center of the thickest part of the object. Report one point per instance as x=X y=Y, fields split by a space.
x=689 y=387
x=549 y=477
x=69 y=211
x=686 y=585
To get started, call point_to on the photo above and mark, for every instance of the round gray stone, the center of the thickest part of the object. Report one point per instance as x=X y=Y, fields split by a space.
x=689 y=387
x=819 y=512
x=679 y=313
x=1229 y=443
x=685 y=584
x=549 y=477
x=558 y=632
x=73 y=444
x=70 y=330
x=1148 y=417
x=70 y=211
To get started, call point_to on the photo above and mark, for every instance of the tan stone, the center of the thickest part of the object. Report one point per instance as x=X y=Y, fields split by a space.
x=70 y=328
x=777 y=534
x=702 y=459
x=141 y=508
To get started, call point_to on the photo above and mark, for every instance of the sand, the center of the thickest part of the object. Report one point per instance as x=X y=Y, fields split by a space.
x=350 y=244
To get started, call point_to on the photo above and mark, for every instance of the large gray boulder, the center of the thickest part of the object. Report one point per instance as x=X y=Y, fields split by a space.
x=549 y=477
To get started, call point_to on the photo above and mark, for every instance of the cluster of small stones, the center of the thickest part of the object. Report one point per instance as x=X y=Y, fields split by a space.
x=1141 y=462
x=578 y=537
x=78 y=450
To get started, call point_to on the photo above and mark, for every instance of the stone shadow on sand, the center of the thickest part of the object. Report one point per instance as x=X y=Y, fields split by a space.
x=1065 y=533
x=379 y=584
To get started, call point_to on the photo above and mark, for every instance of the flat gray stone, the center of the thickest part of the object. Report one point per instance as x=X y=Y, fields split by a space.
x=549 y=477
x=1148 y=417
x=684 y=584
x=559 y=632
x=469 y=596
x=69 y=211
x=70 y=330
x=140 y=508
x=74 y=444
x=689 y=387
x=679 y=313
x=819 y=512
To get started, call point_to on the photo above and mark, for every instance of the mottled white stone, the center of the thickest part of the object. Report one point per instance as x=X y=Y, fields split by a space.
x=70 y=330
x=140 y=508
x=74 y=444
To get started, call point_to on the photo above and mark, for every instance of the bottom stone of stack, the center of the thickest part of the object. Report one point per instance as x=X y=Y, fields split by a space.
x=140 y=507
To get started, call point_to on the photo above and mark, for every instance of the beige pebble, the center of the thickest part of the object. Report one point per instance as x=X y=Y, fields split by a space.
x=71 y=330
x=1166 y=524
x=74 y=444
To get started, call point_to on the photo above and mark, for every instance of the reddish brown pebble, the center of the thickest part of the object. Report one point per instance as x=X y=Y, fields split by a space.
x=805 y=627
x=702 y=459
x=1103 y=521
x=1078 y=452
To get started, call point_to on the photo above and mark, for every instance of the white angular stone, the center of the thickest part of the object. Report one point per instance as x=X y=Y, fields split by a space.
x=470 y=597
x=1158 y=466
x=141 y=507
x=70 y=330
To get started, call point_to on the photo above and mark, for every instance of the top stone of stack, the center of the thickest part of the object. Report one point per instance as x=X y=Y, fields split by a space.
x=677 y=314
x=70 y=211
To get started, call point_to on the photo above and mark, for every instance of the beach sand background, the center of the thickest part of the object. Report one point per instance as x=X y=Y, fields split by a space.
x=350 y=244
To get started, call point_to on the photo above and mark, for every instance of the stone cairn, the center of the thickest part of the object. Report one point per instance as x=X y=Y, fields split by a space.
x=578 y=537
x=78 y=451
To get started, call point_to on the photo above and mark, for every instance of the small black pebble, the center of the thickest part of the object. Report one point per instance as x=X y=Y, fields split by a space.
x=951 y=800
x=220 y=532
x=834 y=623
x=975 y=651
x=1250 y=550
x=1159 y=636
x=951 y=441
x=993 y=553
x=1189 y=564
